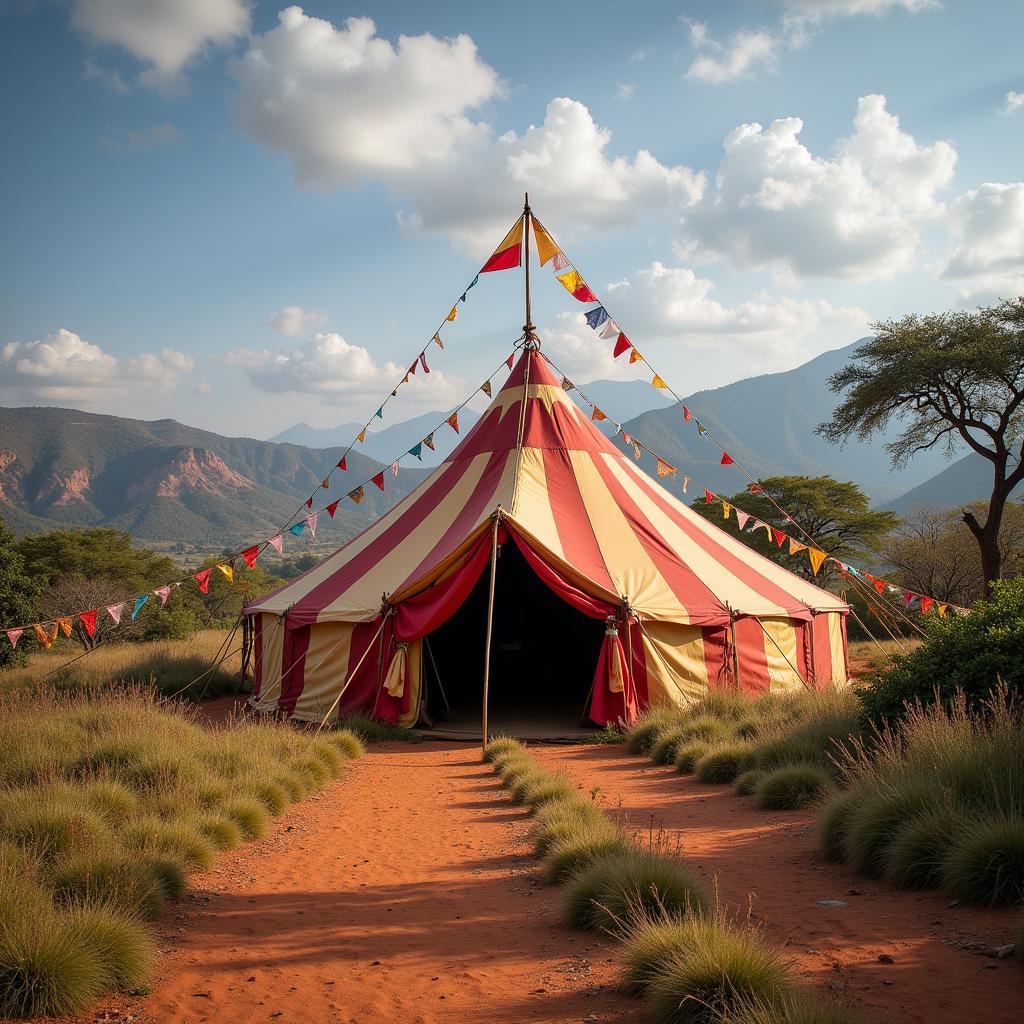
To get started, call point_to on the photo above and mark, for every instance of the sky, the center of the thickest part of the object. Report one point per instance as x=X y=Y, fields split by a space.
x=244 y=215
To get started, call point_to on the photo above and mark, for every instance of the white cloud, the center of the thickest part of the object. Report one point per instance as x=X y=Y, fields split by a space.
x=639 y=56
x=748 y=51
x=109 y=77
x=347 y=106
x=1013 y=102
x=625 y=90
x=777 y=206
x=326 y=366
x=987 y=224
x=163 y=34
x=824 y=8
x=293 y=321
x=64 y=367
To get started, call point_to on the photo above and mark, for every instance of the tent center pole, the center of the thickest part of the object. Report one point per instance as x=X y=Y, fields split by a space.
x=490 y=624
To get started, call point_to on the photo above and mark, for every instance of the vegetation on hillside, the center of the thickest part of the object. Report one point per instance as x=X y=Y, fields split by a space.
x=18 y=593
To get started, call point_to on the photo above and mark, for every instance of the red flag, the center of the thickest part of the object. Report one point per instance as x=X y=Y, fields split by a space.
x=596 y=414
x=251 y=554
x=89 y=620
x=309 y=503
x=203 y=579
x=623 y=344
x=453 y=421
x=880 y=586
x=423 y=362
x=727 y=459
x=509 y=361
x=509 y=253
x=779 y=536
x=926 y=603
x=332 y=508
x=754 y=488
x=343 y=465
x=379 y=480
x=687 y=415
x=708 y=497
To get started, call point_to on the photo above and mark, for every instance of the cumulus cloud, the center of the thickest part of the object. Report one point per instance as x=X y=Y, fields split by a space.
x=347 y=106
x=775 y=205
x=163 y=34
x=293 y=321
x=748 y=51
x=64 y=367
x=987 y=225
x=673 y=310
x=328 y=367
x=1013 y=102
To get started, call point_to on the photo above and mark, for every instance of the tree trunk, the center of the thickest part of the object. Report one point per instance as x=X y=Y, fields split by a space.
x=987 y=537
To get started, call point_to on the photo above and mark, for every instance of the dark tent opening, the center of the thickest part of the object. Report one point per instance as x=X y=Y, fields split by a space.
x=543 y=658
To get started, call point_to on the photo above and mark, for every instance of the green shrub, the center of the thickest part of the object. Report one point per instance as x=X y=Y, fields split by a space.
x=551 y=788
x=967 y=654
x=48 y=827
x=371 y=730
x=914 y=857
x=526 y=780
x=248 y=814
x=116 y=878
x=688 y=754
x=649 y=724
x=501 y=745
x=873 y=822
x=553 y=821
x=722 y=763
x=580 y=846
x=348 y=742
x=834 y=823
x=787 y=1008
x=792 y=787
x=706 y=727
x=221 y=830
x=663 y=749
x=748 y=781
x=179 y=840
x=120 y=945
x=111 y=800
x=815 y=728
x=614 y=892
x=646 y=949
x=986 y=863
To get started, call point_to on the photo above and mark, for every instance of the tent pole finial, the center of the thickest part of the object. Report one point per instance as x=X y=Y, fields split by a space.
x=529 y=331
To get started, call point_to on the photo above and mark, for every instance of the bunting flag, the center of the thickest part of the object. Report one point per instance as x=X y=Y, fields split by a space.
x=14 y=635
x=622 y=344
x=394 y=468
x=227 y=570
x=559 y=262
x=203 y=579
x=596 y=414
x=634 y=356
x=940 y=608
x=411 y=372
x=417 y=450
x=486 y=388
x=637 y=450
x=509 y=253
x=596 y=317
x=567 y=385
x=758 y=525
x=687 y=415
x=423 y=361
x=361 y=436
x=879 y=586
x=453 y=314
x=312 y=520
x=325 y=483
x=437 y=340
x=250 y=555
x=658 y=382
x=65 y=626
x=742 y=519
x=277 y=541
x=817 y=558
x=908 y=598
x=664 y=469
x=472 y=284
x=139 y=602
x=795 y=547
x=163 y=593
x=726 y=509
x=453 y=421
x=546 y=247
x=42 y=637
x=701 y=429
x=576 y=286
x=727 y=459
x=755 y=489
x=429 y=441
x=296 y=530
x=357 y=494
x=926 y=603
x=508 y=362
x=343 y=464
x=609 y=331
x=686 y=484
x=309 y=503
x=378 y=480
x=779 y=536
x=708 y=497
x=331 y=509
x=114 y=611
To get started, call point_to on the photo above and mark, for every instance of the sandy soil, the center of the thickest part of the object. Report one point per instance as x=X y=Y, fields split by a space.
x=404 y=892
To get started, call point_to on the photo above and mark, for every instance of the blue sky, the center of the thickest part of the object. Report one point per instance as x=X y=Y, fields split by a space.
x=244 y=218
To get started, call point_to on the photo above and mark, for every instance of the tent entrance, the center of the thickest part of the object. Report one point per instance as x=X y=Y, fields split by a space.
x=543 y=658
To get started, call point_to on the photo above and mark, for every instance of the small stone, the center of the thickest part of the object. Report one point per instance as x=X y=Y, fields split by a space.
x=884 y=958
x=954 y=903
x=1003 y=952
x=831 y=903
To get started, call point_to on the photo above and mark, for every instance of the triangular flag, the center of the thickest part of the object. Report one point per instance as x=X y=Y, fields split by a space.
x=609 y=331
x=701 y=428
x=795 y=547
x=758 y=525
x=687 y=415
x=361 y=436
x=627 y=438
x=637 y=450
x=779 y=536
x=394 y=468
x=297 y=529
x=453 y=314
x=486 y=388
x=14 y=635
x=139 y=602
x=163 y=593
x=908 y=598
x=379 y=480
x=277 y=541
x=251 y=554
x=686 y=484
x=357 y=494
x=228 y=571
x=880 y=586
x=429 y=441
x=325 y=483
x=708 y=497
x=311 y=520
x=817 y=557
x=472 y=284
x=438 y=341
x=926 y=603
x=331 y=509
x=727 y=459
x=576 y=286
x=567 y=385
x=596 y=414
x=508 y=362
x=742 y=519
x=43 y=637
x=509 y=253
x=423 y=362
x=309 y=503
x=635 y=357
x=755 y=489
x=453 y=421
x=203 y=579
x=622 y=344
x=726 y=509
x=417 y=450
x=940 y=608
x=411 y=370
x=664 y=469
x=65 y=626
x=559 y=262
x=546 y=247
x=658 y=382
x=342 y=464
x=596 y=317
x=114 y=611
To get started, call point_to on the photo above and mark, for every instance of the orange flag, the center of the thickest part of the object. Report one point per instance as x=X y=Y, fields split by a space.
x=817 y=558
x=453 y=421
x=634 y=356
x=43 y=637
x=509 y=253
x=546 y=247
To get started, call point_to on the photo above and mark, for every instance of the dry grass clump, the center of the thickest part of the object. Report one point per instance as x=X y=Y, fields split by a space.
x=792 y=786
x=580 y=846
x=723 y=763
x=788 y=1008
x=107 y=802
x=558 y=819
x=688 y=754
x=501 y=745
x=648 y=725
x=746 y=782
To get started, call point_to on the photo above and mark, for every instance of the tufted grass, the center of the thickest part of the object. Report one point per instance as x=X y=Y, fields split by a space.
x=723 y=763
x=792 y=786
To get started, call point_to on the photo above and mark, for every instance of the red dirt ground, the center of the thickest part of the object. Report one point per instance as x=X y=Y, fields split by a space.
x=404 y=892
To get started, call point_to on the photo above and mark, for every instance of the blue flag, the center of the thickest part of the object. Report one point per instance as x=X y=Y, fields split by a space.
x=417 y=450
x=297 y=528
x=139 y=602
x=596 y=317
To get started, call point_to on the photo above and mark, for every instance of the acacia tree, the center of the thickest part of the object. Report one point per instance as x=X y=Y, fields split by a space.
x=948 y=378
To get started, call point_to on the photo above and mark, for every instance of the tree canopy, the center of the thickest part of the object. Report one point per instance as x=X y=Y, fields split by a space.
x=18 y=593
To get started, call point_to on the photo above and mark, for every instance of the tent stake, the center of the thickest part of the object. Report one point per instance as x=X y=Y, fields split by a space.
x=490 y=623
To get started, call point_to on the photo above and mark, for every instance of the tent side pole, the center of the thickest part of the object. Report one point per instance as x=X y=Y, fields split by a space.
x=490 y=623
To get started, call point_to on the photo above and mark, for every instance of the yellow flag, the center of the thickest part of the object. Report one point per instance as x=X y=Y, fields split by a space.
x=325 y=483
x=546 y=247
x=664 y=469
x=941 y=608
x=43 y=637
x=228 y=571
x=658 y=382
x=795 y=547
x=362 y=435
x=453 y=314
x=634 y=355
x=817 y=557
x=570 y=280
x=65 y=625
x=726 y=509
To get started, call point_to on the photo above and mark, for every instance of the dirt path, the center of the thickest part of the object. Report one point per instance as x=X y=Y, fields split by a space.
x=399 y=894
x=940 y=974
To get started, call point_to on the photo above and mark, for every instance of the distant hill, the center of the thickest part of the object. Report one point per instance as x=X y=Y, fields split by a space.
x=623 y=399
x=767 y=423
x=968 y=479
x=164 y=481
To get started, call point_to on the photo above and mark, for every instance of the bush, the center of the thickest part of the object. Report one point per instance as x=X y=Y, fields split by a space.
x=967 y=654
x=723 y=763
x=615 y=892
x=874 y=821
x=350 y=745
x=501 y=745
x=986 y=864
x=582 y=845
x=834 y=823
x=120 y=879
x=688 y=754
x=646 y=949
x=748 y=781
x=663 y=749
x=792 y=787
x=649 y=724
x=179 y=840
x=49 y=827
x=547 y=789
x=788 y=1008
x=121 y=947
x=914 y=857
x=809 y=727
x=248 y=814
x=556 y=820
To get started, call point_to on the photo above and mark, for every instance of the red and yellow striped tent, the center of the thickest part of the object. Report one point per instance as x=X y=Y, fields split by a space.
x=668 y=605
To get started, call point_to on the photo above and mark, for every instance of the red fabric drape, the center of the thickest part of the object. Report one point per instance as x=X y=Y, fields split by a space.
x=608 y=706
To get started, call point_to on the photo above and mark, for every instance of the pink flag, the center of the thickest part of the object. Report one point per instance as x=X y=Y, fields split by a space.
x=394 y=469
x=311 y=523
x=742 y=518
x=163 y=593
x=114 y=611
x=559 y=263
x=423 y=361
x=277 y=543
x=14 y=635
x=609 y=331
